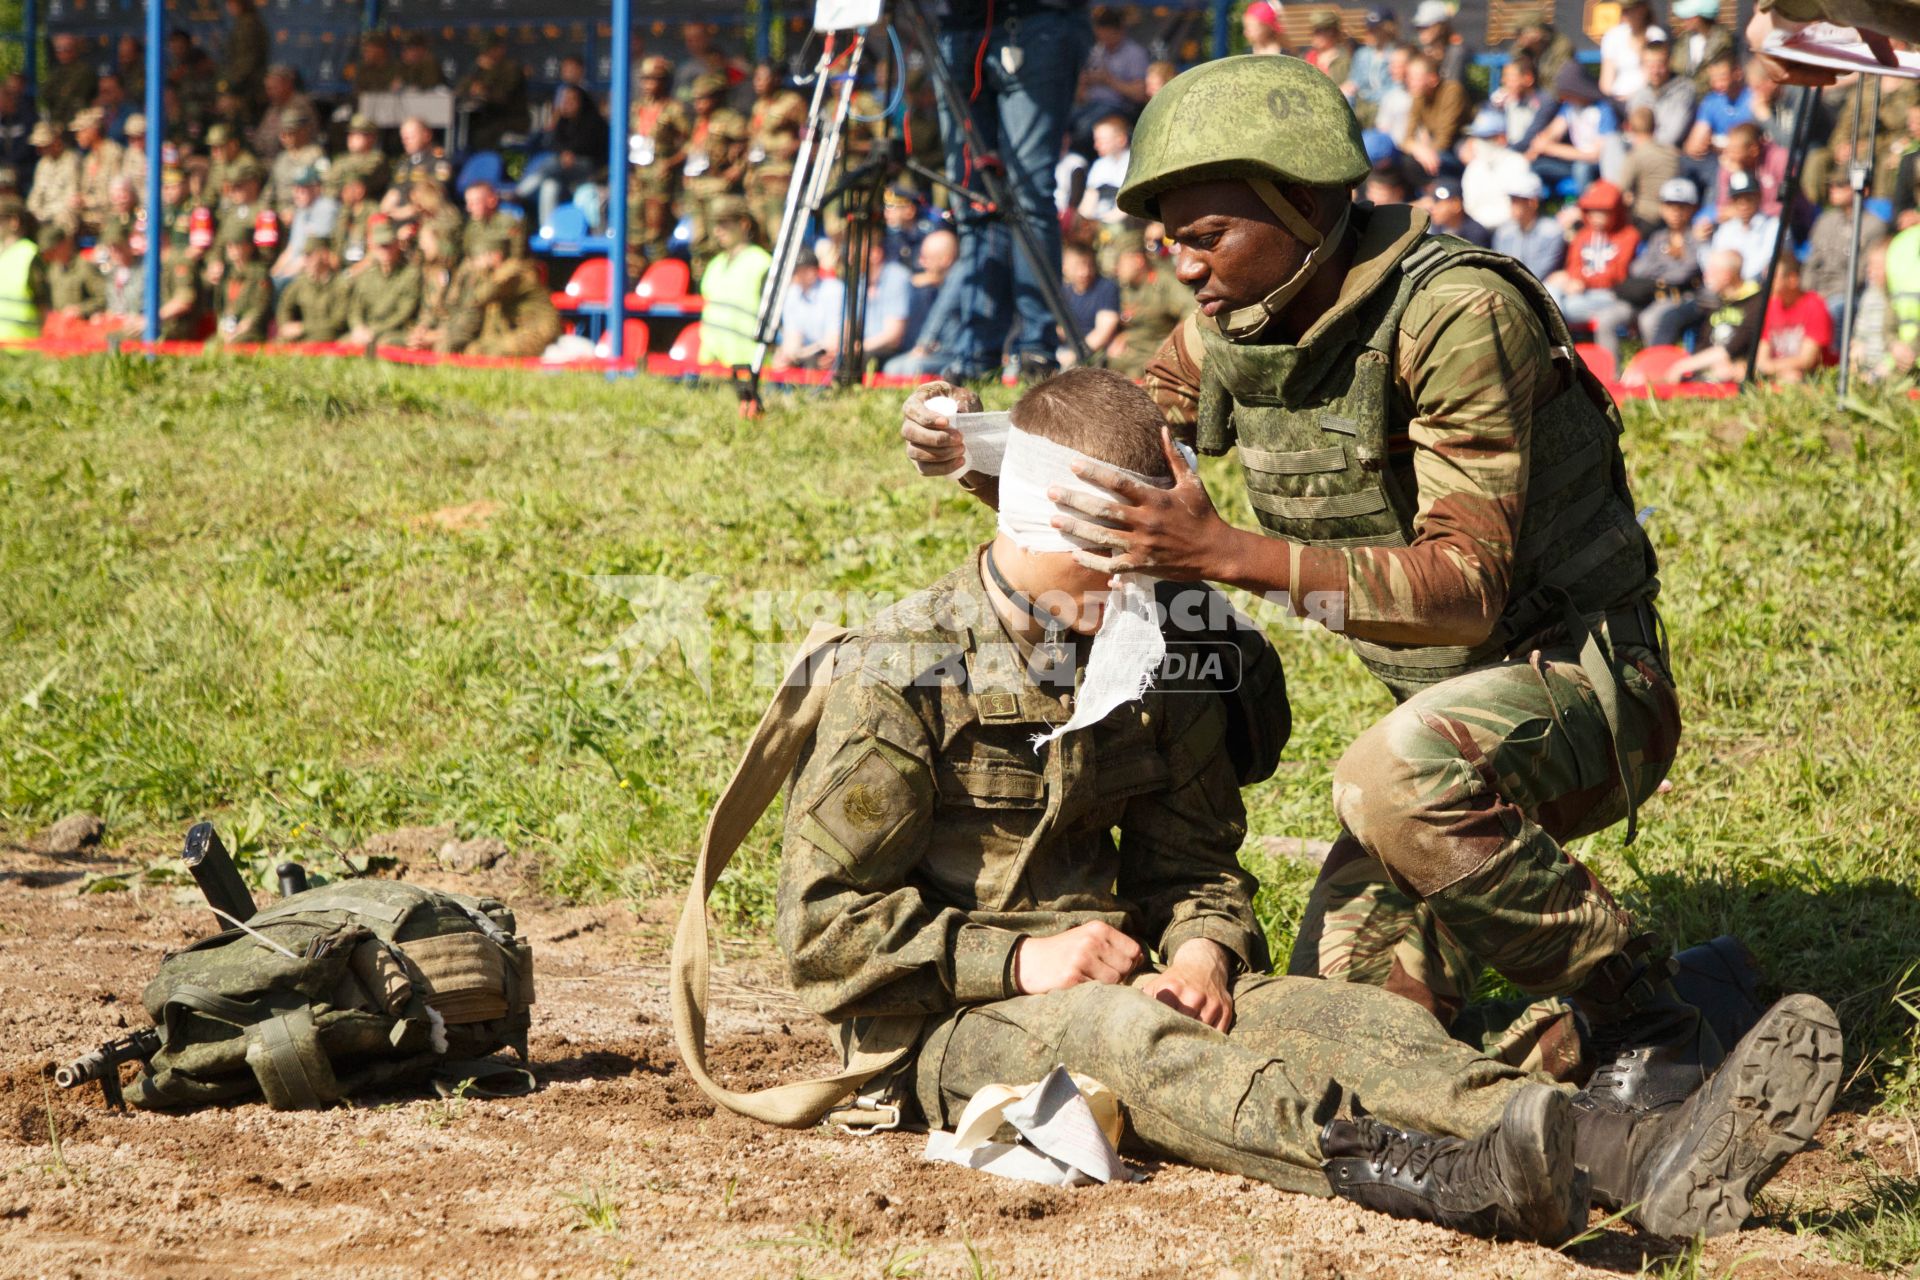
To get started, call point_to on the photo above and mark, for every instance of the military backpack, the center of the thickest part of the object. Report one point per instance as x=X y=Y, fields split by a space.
x=335 y=990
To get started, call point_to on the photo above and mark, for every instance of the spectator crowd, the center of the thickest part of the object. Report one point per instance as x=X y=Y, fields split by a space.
x=1646 y=189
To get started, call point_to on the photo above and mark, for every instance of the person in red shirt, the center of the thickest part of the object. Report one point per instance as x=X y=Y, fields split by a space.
x=1597 y=260
x=1797 y=336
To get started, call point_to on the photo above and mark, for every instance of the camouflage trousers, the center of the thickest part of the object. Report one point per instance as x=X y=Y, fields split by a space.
x=1455 y=809
x=1250 y=1102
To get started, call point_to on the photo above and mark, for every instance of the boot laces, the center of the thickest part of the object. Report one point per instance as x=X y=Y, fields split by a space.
x=1394 y=1151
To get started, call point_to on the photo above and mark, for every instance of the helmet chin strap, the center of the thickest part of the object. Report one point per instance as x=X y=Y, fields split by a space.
x=1244 y=324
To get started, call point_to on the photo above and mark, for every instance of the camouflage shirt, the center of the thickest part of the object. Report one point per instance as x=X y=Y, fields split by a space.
x=773 y=132
x=1472 y=362
x=925 y=835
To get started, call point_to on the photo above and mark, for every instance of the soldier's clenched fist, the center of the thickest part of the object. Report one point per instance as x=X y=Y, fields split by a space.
x=1091 y=952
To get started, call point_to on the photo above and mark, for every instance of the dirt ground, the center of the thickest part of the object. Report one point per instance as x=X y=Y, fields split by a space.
x=617 y=1165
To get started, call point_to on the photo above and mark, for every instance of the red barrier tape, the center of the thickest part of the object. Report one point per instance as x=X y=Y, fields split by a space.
x=659 y=364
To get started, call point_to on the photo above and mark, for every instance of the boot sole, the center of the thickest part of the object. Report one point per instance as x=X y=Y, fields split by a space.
x=1774 y=1089
x=1548 y=1194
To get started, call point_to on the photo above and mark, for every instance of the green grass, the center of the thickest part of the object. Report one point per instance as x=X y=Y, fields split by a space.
x=221 y=595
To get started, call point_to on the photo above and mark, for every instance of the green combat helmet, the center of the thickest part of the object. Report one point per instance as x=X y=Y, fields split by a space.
x=1263 y=119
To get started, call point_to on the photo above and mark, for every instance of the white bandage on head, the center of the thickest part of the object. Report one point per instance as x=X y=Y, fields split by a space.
x=1129 y=647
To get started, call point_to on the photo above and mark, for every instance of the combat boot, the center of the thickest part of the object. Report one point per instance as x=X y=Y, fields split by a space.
x=1693 y=1170
x=1649 y=1048
x=1518 y=1180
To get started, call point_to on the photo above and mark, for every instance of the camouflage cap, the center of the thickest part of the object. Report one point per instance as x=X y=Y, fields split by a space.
x=362 y=123
x=709 y=85
x=246 y=169
x=219 y=135
x=12 y=207
x=43 y=135
x=307 y=177
x=1128 y=240
x=1523 y=19
x=1290 y=123
x=655 y=67
x=382 y=231
x=114 y=234
x=1326 y=21
x=52 y=237
x=493 y=240
x=295 y=117
x=727 y=208
x=173 y=173
x=91 y=118
x=136 y=123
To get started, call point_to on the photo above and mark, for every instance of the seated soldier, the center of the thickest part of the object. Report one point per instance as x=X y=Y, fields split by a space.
x=973 y=893
x=313 y=306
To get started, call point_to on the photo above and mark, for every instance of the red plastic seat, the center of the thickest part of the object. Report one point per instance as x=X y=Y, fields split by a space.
x=686 y=347
x=1652 y=366
x=1602 y=361
x=636 y=342
x=591 y=284
x=667 y=280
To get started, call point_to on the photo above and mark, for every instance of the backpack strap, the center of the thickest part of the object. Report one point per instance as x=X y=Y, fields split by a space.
x=286 y=1057
x=776 y=746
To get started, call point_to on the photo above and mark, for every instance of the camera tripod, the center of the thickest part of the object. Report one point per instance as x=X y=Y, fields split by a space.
x=863 y=187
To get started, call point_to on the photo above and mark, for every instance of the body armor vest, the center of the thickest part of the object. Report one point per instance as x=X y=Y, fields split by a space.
x=1313 y=426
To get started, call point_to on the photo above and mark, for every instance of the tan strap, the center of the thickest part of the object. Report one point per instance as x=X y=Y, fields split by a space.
x=778 y=740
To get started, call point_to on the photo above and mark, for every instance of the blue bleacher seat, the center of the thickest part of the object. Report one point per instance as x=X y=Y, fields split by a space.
x=481 y=166
x=565 y=234
x=1881 y=208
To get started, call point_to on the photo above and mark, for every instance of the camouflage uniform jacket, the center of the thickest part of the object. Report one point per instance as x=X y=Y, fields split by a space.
x=773 y=133
x=180 y=283
x=55 y=180
x=500 y=220
x=716 y=146
x=318 y=306
x=1472 y=365
x=76 y=286
x=68 y=88
x=98 y=168
x=384 y=304
x=515 y=309
x=243 y=62
x=369 y=166
x=657 y=144
x=448 y=304
x=218 y=173
x=1150 y=311
x=246 y=301
x=350 y=231
x=925 y=836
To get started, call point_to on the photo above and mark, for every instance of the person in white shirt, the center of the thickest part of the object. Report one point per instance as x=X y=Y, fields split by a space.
x=1744 y=229
x=1621 y=75
x=1492 y=169
x=1396 y=104
x=1112 y=145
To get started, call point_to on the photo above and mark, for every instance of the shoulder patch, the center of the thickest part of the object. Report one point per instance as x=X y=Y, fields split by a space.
x=867 y=805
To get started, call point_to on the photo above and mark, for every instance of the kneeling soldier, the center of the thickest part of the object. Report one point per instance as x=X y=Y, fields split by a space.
x=972 y=894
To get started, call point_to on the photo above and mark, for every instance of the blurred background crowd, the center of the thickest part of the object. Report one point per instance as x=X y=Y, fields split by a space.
x=455 y=198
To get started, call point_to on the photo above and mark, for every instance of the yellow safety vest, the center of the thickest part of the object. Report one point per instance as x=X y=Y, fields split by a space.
x=19 y=317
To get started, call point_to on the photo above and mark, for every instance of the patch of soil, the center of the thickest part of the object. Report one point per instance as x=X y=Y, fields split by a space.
x=618 y=1165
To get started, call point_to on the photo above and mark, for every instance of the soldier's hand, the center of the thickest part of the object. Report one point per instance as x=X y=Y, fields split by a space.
x=1199 y=983
x=933 y=444
x=1091 y=952
x=1172 y=533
